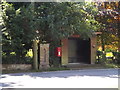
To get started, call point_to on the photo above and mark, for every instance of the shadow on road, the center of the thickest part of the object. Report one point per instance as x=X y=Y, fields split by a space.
x=111 y=73
x=6 y=84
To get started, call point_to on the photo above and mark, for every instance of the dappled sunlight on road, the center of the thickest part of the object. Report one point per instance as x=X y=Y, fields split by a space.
x=65 y=79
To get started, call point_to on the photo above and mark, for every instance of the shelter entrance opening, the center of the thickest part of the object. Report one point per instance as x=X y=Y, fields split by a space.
x=79 y=50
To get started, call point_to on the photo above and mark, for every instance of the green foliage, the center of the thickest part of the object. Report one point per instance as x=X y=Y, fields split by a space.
x=59 y=20
x=17 y=32
x=49 y=21
x=108 y=16
x=101 y=57
x=116 y=57
x=54 y=60
x=111 y=65
x=12 y=59
x=57 y=69
x=105 y=58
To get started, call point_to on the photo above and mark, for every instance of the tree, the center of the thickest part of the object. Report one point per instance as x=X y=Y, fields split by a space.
x=109 y=18
x=45 y=22
x=59 y=20
x=18 y=31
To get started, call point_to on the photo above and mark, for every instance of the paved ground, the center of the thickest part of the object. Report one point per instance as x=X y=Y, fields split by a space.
x=92 y=78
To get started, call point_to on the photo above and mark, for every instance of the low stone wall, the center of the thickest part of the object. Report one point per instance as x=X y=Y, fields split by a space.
x=16 y=66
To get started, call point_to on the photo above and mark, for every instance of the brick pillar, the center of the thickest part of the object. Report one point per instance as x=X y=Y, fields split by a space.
x=93 y=49
x=44 y=56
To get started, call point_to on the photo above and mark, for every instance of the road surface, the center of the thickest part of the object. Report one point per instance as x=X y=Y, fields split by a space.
x=88 y=78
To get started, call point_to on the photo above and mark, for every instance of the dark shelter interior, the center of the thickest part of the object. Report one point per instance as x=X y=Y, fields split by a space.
x=79 y=50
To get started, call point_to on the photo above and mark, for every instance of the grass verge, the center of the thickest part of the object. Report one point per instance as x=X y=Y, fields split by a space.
x=111 y=66
x=41 y=70
x=105 y=66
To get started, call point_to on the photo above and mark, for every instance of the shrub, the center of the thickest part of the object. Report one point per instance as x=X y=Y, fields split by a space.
x=12 y=59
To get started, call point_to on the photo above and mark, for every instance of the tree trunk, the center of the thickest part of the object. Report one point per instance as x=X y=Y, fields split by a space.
x=119 y=40
x=119 y=27
x=38 y=55
x=102 y=42
x=35 y=55
x=103 y=49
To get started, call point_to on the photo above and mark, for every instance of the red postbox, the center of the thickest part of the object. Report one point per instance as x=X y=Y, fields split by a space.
x=58 y=51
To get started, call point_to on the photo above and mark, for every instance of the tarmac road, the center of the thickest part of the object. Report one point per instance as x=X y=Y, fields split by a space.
x=87 y=78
